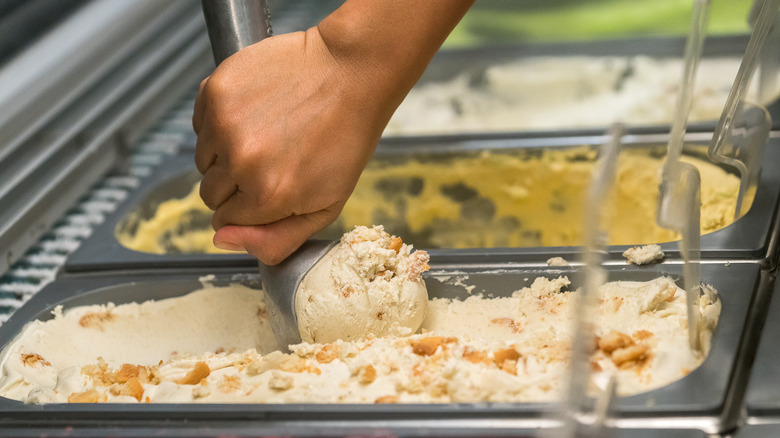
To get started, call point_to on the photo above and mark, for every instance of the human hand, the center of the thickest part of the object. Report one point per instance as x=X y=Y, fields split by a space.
x=274 y=168
x=286 y=126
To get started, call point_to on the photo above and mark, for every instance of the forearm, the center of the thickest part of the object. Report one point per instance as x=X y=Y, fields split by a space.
x=388 y=43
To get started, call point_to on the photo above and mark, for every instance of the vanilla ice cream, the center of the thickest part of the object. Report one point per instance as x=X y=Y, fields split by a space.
x=505 y=349
x=551 y=93
x=369 y=284
x=211 y=320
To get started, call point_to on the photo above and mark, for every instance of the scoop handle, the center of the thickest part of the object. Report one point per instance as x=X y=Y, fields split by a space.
x=235 y=24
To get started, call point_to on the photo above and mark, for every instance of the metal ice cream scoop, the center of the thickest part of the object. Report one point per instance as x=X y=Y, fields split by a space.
x=280 y=284
x=233 y=25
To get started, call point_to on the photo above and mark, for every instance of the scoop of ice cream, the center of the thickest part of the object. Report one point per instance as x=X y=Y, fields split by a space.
x=369 y=283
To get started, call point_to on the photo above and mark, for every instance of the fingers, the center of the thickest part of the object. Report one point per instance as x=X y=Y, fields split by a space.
x=243 y=209
x=216 y=186
x=272 y=243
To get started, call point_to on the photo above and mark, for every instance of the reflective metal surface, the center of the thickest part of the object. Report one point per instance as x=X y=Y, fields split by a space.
x=235 y=24
x=280 y=284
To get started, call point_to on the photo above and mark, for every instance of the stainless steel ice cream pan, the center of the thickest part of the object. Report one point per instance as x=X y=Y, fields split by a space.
x=473 y=62
x=702 y=393
x=747 y=238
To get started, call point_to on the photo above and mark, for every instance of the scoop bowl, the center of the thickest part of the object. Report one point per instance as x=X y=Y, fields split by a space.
x=280 y=283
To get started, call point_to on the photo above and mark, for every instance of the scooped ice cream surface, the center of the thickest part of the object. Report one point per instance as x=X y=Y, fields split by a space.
x=510 y=348
x=369 y=284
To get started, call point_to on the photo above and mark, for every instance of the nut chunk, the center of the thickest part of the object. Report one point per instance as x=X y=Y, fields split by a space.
x=32 y=359
x=614 y=340
x=327 y=354
x=386 y=399
x=427 y=346
x=91 y=396
x=200 y=372
x=367 y=374
x=634 y=353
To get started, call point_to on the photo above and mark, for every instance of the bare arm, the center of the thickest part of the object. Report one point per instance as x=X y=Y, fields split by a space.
x=286 y=126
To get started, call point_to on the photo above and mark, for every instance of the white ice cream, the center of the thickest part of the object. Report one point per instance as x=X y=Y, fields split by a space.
x=542 y=93
x=513 y=348
x=369 y=284
x=214 y=319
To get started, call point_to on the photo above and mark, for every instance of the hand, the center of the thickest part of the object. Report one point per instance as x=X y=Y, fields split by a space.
x=284 y=131
x=286 y=126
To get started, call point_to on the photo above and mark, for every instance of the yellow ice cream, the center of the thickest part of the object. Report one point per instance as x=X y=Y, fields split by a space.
x=523 y=200
x=487 y=199
x=168 y=230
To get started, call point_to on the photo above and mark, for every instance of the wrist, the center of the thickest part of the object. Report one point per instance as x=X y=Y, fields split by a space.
x=386 y=45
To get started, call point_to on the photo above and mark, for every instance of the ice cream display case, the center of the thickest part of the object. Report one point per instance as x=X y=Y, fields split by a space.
x=506 y=199
x=695 y=397
x=101 y=170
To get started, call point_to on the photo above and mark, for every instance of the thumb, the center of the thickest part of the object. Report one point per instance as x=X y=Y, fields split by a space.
x=272 y=243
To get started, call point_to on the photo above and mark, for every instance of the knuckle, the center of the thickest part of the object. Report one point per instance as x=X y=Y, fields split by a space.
x=217 y=85
x=203 y=158
x=218 y=95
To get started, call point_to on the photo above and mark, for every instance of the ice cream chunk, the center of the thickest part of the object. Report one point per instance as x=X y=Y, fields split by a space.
x=369 y=283
x=642 y=255
x=510 y=349
x=557 y=261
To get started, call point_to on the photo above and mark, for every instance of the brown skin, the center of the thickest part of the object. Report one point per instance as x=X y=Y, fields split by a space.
x=286 y=126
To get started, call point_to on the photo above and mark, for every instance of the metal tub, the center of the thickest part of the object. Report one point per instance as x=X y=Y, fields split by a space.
x=448 y=64
x=700 y=400
x=747 y=239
